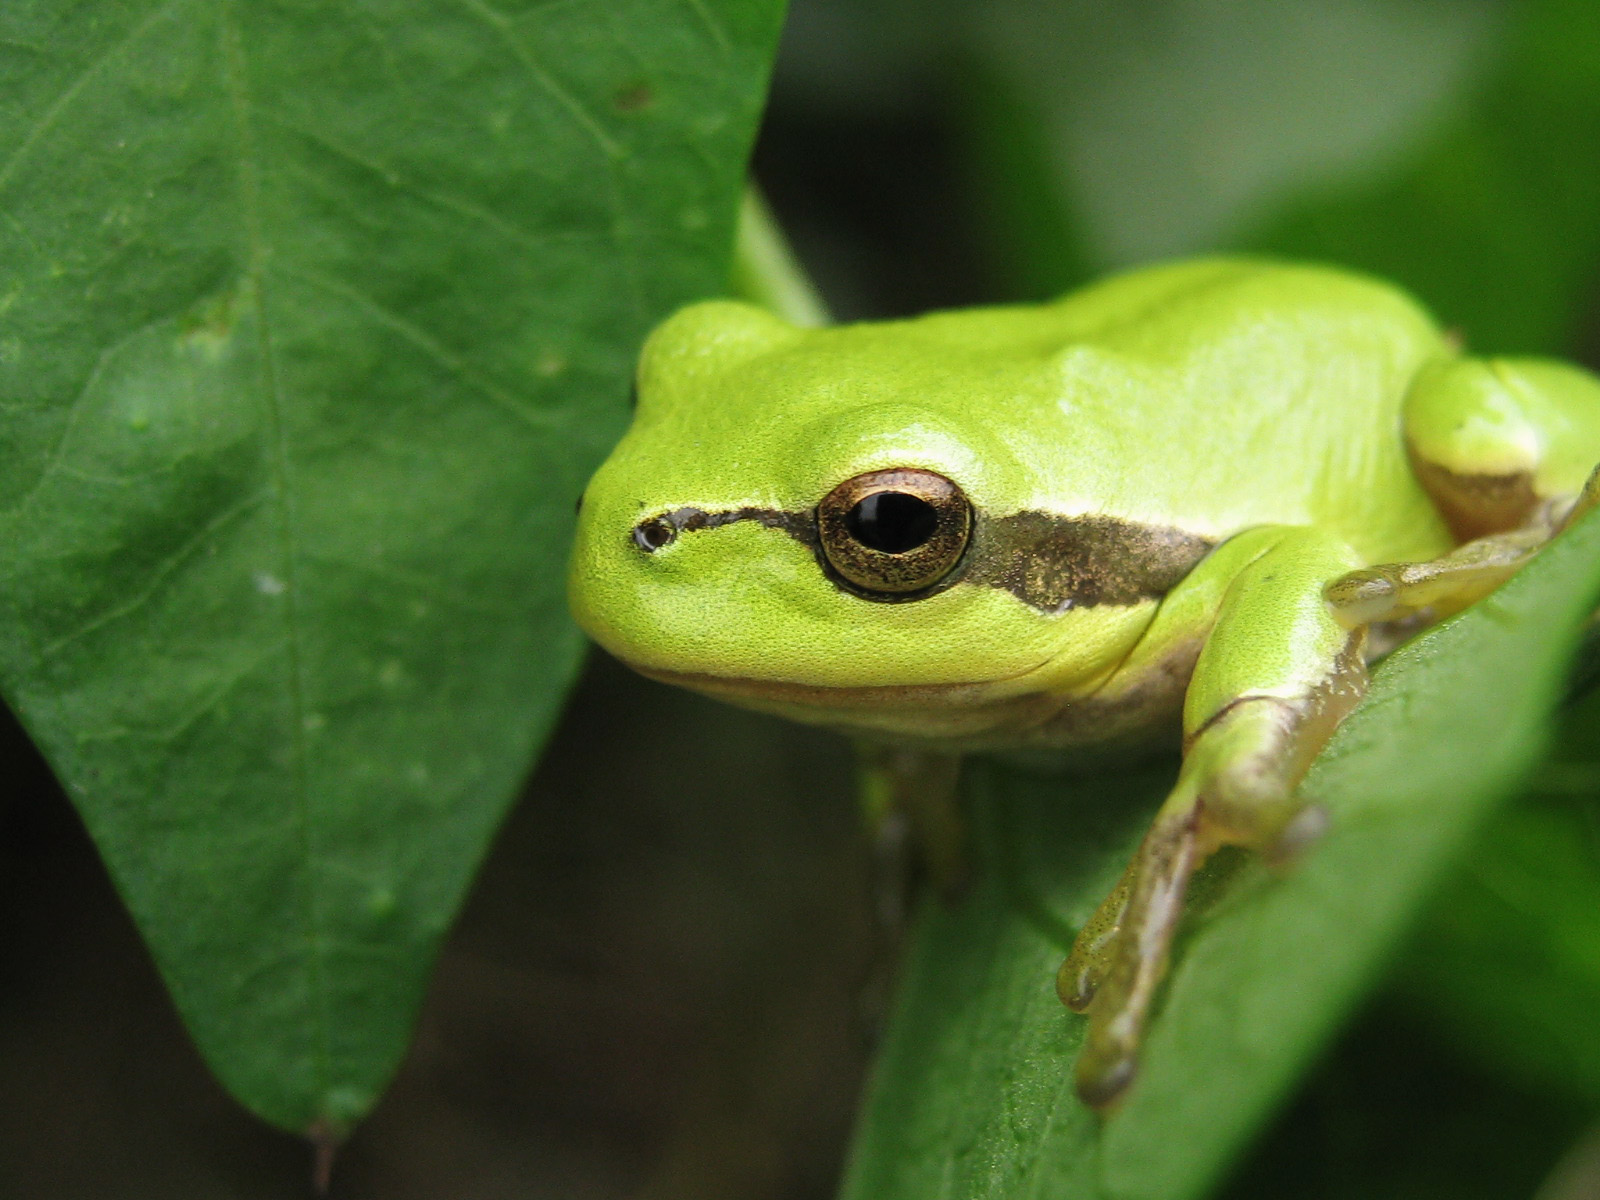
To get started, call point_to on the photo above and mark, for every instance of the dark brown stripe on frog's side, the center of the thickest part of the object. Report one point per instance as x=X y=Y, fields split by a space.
x=1055 y=563
x=1049 y=562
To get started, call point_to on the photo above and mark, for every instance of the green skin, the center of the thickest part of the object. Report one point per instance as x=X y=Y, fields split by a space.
x=1193 y=488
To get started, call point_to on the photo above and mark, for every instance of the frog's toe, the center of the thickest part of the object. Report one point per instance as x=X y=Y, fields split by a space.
x=1094 y=951
x=1102 y=1083
x=1078 y=980
x=1446 y=585
x=1302 y=832
x=1363 y=597
x=1587 y=500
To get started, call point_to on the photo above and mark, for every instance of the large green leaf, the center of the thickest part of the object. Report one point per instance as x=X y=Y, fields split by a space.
x=973 y=1094
x=315 y=318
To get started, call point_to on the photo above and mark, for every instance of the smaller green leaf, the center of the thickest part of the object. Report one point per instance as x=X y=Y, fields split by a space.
x=973 y=1093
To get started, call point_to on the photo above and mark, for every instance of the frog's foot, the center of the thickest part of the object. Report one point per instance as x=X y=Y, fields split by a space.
x=920 y=789
x=1237 y=788
x=1446 y=585
x=1587 y=499
x=1081 y=974
x=1121 y=955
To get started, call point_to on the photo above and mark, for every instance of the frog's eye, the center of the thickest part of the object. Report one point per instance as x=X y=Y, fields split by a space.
x=894 y=532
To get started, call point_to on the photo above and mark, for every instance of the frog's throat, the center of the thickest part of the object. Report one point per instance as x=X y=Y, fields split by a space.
x=961 y=717
x=1050 y=562
x=942 y=711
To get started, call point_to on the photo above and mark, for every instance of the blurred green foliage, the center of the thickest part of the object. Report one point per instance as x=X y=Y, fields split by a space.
x=924 y=152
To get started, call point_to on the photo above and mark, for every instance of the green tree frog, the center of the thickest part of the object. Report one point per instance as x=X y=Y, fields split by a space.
x=1186 y=504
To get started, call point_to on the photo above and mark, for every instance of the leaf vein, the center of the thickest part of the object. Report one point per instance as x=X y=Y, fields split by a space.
x=68 y=95
x=611 y=151
x=236 y=69
x=58 y=452
x=156 y=579
x=713 y=26
x=171 y=732
x=526 y=238
x=427 y=343
x=580 y=114
x=419 y=584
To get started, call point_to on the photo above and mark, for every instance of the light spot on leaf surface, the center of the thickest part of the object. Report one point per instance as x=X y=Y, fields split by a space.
x=209 y=328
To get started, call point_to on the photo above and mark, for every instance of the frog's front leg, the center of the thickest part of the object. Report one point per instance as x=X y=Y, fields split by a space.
x=1276 y=675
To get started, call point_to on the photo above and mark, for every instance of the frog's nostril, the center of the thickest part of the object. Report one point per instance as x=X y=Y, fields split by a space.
x=653 y=534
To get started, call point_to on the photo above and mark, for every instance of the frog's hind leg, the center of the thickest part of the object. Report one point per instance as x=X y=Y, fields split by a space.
x=1444 y=585
x=1508 y=450
x=1496 y=440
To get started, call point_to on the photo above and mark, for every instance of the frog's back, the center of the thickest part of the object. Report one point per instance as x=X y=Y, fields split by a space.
x=1251 y=392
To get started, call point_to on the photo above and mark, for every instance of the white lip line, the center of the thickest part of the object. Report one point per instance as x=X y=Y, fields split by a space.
x=665 y=675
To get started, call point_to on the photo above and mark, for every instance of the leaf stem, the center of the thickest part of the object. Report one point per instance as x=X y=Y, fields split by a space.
x=765 y=270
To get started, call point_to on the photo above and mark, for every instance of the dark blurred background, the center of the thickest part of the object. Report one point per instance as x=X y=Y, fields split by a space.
x=667 y=980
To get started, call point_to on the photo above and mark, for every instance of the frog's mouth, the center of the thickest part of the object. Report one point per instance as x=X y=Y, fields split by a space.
x=931 y=711
x=1001 y=714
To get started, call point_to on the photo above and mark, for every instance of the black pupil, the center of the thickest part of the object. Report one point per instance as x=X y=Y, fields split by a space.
x=892 y=522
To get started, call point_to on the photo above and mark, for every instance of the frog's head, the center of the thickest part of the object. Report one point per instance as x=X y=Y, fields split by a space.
x=824 y=523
